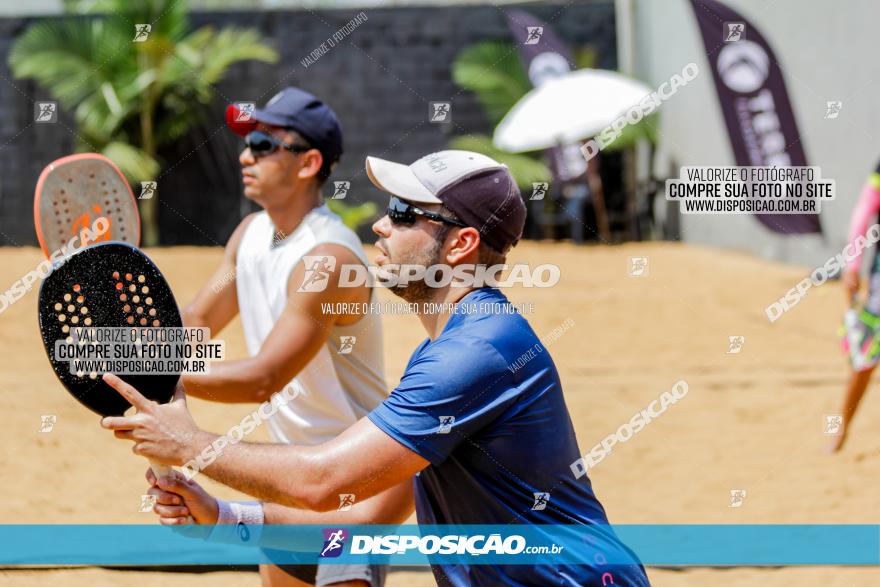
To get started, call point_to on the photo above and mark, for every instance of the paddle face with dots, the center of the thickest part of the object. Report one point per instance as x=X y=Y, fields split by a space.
x=76 y=190
x=106 y=285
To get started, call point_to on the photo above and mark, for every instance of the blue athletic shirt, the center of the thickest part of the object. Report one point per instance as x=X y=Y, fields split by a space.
x=483 y=403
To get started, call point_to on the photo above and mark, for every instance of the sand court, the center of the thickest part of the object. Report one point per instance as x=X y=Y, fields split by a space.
x=752 y=420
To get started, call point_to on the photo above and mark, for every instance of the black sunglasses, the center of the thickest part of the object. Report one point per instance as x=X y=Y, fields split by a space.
x=262 y=143
x=401 y=212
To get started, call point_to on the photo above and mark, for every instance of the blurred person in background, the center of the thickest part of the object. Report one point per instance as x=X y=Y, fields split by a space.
x=861 y=325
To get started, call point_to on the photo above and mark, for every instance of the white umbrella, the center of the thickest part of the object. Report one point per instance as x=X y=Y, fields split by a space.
x=567 y=109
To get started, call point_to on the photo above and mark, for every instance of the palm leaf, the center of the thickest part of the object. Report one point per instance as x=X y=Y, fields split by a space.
x=167 y=18
x=229 y=46
x=66 y=57
x=493 y=71
x=131 y=98
x=353 y=216
x=133 y=162
x=631 y=133
x=525 y=169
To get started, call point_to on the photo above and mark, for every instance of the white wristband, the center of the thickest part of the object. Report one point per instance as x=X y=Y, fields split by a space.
x=238 y=522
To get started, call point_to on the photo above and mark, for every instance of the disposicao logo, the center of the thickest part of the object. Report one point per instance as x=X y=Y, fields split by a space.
x=334 y=542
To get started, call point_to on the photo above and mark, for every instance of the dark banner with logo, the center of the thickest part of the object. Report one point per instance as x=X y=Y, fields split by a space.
x=544 y=56
x=542 y=52
x=758 y=113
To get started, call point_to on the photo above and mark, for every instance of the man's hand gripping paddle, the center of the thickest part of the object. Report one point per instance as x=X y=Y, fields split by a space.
x=107 y=285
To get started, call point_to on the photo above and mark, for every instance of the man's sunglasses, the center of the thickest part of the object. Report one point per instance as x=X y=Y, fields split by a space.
x=262 y=143
x=401 y=212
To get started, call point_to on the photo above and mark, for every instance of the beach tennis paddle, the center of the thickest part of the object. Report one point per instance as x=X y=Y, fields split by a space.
x=107 y=285
x=74 y=191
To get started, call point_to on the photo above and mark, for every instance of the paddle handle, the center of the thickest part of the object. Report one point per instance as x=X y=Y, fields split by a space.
x=160 y=470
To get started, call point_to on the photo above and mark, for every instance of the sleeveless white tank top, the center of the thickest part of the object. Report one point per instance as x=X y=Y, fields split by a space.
x=346 y=379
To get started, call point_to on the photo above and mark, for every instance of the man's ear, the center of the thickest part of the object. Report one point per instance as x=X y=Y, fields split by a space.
x=465 y=242
x=311 y=163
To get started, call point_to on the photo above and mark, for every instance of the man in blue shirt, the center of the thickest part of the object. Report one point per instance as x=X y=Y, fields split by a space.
x=478 y=418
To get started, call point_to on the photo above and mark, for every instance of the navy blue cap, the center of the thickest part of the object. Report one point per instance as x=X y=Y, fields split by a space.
x=297 y=109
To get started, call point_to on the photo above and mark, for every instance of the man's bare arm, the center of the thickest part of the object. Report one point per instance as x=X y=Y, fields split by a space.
x=392 y=506
x=295 y=339
x=363 y=461
x=184 y=501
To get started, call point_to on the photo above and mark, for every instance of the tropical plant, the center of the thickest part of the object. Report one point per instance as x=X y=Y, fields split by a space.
x=353 y=216
x=132 y=93
x=525 y=169
x=493 y=72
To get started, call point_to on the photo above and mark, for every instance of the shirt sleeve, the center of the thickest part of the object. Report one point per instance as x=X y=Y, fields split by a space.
x=449 y=393
x=865 y=212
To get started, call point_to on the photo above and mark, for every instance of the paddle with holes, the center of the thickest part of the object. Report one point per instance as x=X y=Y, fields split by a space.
x=106 y=285
x=74 y=191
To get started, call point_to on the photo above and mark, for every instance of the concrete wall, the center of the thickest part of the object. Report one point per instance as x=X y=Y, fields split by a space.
x=379 y=80
x=827 y=51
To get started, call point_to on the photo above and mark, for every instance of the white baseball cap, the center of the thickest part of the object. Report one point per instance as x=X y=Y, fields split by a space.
x=426 y=178
x=480 y=191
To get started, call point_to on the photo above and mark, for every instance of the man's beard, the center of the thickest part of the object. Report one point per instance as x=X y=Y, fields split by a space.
x=417 y=291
